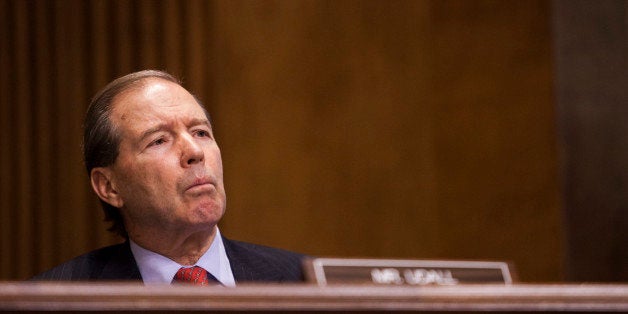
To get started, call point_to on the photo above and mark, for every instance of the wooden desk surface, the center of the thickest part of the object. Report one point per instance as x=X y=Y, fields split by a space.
x=463 y=298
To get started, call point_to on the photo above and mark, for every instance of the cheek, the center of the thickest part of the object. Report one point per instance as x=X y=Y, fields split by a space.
x=132 y=182
x=144 y=178
x=216 y=161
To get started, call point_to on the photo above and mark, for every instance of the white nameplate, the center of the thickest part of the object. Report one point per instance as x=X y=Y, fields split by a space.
x=325 y=271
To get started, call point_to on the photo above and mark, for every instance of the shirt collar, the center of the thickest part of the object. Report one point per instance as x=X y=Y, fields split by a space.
x=156 y=268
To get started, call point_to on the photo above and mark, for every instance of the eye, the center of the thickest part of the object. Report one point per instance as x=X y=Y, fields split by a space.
x=157 y=142
x=202 y=133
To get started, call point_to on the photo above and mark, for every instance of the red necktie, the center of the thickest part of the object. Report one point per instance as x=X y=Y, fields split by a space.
x=193 y=275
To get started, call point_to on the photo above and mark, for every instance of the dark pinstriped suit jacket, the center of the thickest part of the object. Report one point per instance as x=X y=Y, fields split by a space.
x=249 y=262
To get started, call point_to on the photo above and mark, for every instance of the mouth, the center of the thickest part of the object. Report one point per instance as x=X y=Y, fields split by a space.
x=200 y=185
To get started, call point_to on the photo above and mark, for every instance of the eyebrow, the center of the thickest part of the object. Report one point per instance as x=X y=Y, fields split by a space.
x=199 y=121
x=152 y=130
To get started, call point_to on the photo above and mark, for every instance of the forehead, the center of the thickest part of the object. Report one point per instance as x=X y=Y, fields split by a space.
x=152 y=101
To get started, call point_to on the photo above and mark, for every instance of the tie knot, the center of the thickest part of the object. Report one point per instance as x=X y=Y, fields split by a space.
x=191 y=275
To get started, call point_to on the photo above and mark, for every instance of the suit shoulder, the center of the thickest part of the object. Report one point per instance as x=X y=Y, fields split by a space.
x=265 y=251
x=254 y=262
x=84 y=267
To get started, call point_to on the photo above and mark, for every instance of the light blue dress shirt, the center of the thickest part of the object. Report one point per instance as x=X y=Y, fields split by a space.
x=158 y=269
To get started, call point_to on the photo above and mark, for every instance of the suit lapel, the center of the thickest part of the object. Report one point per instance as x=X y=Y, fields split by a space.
x=121 y=265
x=247 y=265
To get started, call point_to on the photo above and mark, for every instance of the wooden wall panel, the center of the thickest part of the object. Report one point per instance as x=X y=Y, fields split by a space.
x=497 y=171
x=407 y=129
x=418 y=129
x=591 y=51
x=6 y=238
x=43 y=114
x=70 y=64
x=324 y=124
x=21 y=124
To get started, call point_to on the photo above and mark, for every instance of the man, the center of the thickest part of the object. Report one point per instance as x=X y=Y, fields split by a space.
x=154 y=163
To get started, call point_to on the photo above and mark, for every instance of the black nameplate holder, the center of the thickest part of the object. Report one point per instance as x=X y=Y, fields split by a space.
x=324 y=271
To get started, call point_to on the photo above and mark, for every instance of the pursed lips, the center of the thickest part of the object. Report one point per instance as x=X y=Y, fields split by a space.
x=200 y=182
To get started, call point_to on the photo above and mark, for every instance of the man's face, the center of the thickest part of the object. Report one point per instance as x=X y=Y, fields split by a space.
x=168 y=173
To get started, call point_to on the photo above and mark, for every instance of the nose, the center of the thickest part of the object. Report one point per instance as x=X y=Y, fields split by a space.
x=191 y=152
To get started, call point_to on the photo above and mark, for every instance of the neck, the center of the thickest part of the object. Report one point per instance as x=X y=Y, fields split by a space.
x=185 y=249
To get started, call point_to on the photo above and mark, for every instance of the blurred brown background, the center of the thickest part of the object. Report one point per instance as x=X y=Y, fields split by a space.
x=410 y=129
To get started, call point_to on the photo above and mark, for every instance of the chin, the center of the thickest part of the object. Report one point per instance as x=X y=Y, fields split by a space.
x=209 y=213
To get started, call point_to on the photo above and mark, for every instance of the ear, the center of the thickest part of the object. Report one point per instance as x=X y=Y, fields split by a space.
x=104 y=186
